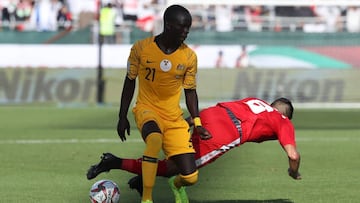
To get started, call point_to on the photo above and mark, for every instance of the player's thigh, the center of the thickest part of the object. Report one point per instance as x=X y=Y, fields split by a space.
x=185 y=163
x=147 y=120
x=176 y=138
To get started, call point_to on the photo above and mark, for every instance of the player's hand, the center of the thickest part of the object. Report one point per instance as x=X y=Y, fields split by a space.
x=295 y=175
x=204 y=134
x=122 y=126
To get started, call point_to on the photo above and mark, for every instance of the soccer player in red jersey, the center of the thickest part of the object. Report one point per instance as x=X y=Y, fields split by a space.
x=231 y=124
x=248 y=120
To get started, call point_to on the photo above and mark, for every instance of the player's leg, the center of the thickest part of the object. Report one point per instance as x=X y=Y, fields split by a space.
x=188 y=176
x=179 y=149
x=187 y=168
x=152 y=135
x=137 y=183
x=166 y=168
x=151 y=127
x=108 y=161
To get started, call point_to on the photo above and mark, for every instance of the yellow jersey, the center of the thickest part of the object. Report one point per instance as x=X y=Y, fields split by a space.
x=162 y=77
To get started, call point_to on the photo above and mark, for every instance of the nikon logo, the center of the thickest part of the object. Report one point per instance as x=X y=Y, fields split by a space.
x=297 y=86
x=37 y=85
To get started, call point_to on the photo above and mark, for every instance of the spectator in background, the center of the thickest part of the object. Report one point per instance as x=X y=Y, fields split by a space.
x=330 y=15
x=45 y=14
x=293 y=11
x=242 y=60
x=223 y=18
x=147 y=16
x=117 y=4
x=8 y=12
x=353 y=19
x=253 y=18
x=64 y=18
x=107 y=24
x=23 y=10
x=23 y=13
x=130 y=10
x=220 y=63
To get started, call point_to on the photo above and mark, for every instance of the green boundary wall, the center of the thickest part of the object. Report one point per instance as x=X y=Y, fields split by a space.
x=84 y=36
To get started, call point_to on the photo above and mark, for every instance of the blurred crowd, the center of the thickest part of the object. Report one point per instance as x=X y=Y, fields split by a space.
x=53 y=15
x=278 y=18
x=40 y=15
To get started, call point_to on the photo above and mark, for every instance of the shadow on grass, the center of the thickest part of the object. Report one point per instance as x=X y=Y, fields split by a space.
x=246 y=201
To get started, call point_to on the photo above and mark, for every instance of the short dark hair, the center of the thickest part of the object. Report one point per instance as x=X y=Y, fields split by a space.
x=289 y=109
x=172 y=11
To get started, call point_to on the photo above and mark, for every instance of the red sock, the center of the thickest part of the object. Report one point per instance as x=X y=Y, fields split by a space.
x=162 y=168
x=134 y=166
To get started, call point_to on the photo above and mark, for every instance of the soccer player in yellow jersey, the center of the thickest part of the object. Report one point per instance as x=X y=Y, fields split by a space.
x=164 y=66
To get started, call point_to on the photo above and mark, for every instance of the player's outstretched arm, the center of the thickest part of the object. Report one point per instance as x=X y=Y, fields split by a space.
x=294 y=161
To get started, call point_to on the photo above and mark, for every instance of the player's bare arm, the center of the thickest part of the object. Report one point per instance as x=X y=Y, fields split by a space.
x=126 y=97
x=192 y=104
x=294 y=161
x=190 y=121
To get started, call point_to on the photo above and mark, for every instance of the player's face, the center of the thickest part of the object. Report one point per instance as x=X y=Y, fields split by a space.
x=179 y=28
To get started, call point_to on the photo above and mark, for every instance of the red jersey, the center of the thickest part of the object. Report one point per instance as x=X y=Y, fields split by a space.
x=261 y=122
x=237 y=122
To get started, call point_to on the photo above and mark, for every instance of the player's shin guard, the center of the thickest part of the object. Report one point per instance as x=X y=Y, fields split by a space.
x=149 y=163
x=186 y=180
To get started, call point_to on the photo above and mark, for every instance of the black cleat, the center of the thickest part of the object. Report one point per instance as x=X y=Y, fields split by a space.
x=105 y=164
x=136 y=183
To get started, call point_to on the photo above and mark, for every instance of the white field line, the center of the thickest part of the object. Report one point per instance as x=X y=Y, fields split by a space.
x=65 y=141
x=89 y=141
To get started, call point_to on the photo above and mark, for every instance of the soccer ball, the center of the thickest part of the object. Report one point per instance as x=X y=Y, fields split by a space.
x=104 y=191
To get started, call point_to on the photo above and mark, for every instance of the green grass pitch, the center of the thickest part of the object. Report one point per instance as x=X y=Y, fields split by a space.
x=45 y=152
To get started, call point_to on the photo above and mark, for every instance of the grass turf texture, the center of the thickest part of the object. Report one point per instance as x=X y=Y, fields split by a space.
x=46 y=151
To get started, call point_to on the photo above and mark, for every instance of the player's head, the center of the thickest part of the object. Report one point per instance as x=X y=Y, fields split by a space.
x=177 y=22
x=284 y=106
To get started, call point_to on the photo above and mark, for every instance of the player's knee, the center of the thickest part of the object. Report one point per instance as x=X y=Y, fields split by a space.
x=153 y=145
x=149 y=128
x=154 y=140
x=190 y=179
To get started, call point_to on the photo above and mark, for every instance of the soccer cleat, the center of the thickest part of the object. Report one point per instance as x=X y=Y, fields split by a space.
x=179 y=193
x=136 y=183
x=105 y=164
x=147 y=201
